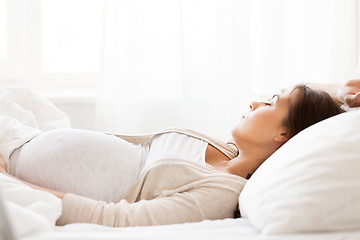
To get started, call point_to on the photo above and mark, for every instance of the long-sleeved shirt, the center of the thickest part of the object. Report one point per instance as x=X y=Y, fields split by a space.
x=170 y=191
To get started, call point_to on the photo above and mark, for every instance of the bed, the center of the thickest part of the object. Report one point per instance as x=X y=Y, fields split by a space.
x=309 y=189
x=219 y=229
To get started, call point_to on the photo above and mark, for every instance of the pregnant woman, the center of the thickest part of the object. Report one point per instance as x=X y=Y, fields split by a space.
x=171 y=176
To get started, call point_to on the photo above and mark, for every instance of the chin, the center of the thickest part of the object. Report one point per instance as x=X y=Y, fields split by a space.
x=235 y=132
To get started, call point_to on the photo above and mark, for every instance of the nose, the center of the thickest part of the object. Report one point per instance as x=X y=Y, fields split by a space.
x=254 y=105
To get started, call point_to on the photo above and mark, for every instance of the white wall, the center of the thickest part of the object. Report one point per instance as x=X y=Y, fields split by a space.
x=82 y=115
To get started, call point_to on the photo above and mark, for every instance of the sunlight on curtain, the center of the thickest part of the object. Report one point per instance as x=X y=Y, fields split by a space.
x=302 y=41
x=320 y=40
x=167 y=63
x=71 y=35
x=15 y=34
x=185 y=63
x=197 y=64
x=3 y=35
x=142 y=67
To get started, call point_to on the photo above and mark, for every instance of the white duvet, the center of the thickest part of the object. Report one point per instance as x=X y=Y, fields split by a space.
x=30 y=210
x=25 y=113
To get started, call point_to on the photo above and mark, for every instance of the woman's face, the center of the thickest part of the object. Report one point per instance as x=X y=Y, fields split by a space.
x=263 y=123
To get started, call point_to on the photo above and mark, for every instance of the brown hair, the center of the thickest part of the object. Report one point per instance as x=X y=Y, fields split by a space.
x=309 y=107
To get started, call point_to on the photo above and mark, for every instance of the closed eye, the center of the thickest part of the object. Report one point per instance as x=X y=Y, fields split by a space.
x=275 y=96
x=273 y=99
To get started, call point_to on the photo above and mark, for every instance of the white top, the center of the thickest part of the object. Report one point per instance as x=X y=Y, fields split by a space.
x=175 y=145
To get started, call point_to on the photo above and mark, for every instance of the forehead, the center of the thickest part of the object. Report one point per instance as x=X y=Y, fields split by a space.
x=285 y=97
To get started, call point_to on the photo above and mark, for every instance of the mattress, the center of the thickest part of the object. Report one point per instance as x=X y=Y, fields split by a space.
x=218 y=229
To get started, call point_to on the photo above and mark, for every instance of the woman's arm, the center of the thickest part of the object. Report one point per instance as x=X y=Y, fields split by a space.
x=347 y=93
x=217 y=201
x=3 y=170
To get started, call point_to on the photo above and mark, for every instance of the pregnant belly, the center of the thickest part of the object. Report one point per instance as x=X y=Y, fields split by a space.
x=83 y=162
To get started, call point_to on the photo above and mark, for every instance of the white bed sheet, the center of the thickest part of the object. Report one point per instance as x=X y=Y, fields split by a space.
x=218 y=229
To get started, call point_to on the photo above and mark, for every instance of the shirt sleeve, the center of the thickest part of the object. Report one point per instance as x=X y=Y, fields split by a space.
x=215 y=202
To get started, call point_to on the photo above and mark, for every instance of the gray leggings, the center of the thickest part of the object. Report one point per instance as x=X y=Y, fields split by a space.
x=67 y=160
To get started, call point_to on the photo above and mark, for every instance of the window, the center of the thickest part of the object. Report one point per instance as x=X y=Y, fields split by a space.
x=55 y=44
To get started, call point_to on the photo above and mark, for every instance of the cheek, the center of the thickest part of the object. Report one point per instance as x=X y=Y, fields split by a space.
x=259 y=119
x=257 y=123
x=247 y=126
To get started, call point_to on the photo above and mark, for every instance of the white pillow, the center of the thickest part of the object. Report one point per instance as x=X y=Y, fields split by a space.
x=311 y=184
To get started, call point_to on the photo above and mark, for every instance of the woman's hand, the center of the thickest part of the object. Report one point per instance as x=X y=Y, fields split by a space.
x=349 y=93
x=3 y=165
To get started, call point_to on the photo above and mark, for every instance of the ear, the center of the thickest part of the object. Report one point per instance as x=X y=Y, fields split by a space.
x=282 y=136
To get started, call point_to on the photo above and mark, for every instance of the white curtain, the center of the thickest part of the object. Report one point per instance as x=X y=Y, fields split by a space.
x=185 y=63
x=197 y=63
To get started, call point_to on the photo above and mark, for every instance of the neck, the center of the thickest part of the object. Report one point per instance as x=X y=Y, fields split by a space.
x=249 y=159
